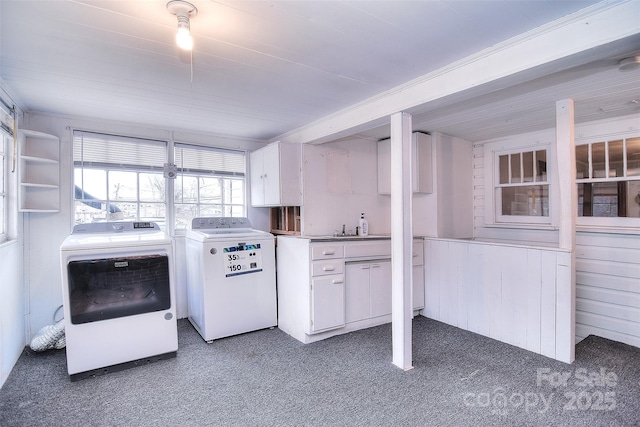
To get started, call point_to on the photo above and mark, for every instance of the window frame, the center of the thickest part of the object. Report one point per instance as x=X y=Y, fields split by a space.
x=617 y=222
x=518 y=144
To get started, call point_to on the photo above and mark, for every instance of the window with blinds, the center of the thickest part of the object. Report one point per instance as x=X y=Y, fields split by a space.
x=118 y=178
x=210 y=182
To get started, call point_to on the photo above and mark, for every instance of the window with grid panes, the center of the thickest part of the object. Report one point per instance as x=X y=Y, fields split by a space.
x=210 y=182
x=521 y=186
x=118 y=178
x=608 y=179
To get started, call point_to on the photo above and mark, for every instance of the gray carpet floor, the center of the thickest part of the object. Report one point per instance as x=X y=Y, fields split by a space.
x=266 y=378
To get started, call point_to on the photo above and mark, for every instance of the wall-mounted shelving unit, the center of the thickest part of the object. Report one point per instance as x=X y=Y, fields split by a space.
x=39 y=171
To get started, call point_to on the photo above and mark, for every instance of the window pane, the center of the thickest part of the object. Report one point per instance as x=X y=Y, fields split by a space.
x=153 y=212
x=582 y=161
x=210 y=190
x=598 y=159
x=184 y=214
x=237 y=193
x=186 y=189
x=123 y=212
x=123 y=185
x=504 y=169
x=609 y=199
x=237 y=210
x=211 y=210
x=633 y=157
x=527 y=166
x=616 y=159
x=605 y=199
x=515 y=168
x=529 y=200
x=152 y=187
x=94 y=182
x=541 y=166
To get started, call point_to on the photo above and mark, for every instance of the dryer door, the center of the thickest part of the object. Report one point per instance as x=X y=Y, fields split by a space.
x=101 y=289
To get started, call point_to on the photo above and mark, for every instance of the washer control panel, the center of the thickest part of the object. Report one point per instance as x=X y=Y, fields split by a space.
x=223 y=222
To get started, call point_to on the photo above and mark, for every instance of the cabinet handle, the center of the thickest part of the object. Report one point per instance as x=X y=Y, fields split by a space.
x=375 y=266
x=329 y=268
x=365 y=267
x=328 y=252
x=336 y=282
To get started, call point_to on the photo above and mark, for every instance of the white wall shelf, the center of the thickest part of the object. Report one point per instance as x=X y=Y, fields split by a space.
x=39 y=172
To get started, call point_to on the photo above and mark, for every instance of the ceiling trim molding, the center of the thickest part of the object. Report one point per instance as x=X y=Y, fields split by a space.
x=551 y=48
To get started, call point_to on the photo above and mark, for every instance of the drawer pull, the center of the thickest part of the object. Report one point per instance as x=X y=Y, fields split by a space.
x=328 y=268
x=336 y=282
x=328 y=252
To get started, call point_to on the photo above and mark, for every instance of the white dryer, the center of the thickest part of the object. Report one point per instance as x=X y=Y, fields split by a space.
x=118 y=296
x=231 y=277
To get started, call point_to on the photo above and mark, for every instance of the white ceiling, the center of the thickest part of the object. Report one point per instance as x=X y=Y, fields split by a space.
x=263 y=68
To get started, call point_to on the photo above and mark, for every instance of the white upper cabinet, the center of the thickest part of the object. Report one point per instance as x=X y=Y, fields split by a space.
x=421 y=171
x=275 y=175
x=39 y=172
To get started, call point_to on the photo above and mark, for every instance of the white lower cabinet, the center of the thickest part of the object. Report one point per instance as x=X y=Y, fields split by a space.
x=368 y=290
x=327 y=303
x=327 y=288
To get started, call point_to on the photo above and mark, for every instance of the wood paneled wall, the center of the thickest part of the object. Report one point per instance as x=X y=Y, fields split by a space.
x=515 y=294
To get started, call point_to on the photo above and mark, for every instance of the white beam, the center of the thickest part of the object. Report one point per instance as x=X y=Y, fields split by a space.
x=401 y=239
x=575 y=40
x=565 y=184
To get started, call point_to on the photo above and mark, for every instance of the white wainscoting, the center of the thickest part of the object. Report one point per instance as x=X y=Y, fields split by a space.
x=608 y=286
x=516 y=294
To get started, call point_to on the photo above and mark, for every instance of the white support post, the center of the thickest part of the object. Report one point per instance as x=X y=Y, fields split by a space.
x=568 y=200
x=401 y=239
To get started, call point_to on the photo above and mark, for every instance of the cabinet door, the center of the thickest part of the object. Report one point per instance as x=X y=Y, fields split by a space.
x=271 y=174
x=418 y=287
x=327 y=302
x=421 y=164
x=380 y=286
x=384 y=166
x=357 y=292
x=257 y=182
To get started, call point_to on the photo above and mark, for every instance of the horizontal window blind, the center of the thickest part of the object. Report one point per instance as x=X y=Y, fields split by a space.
x=218 y=161
x=108 y=151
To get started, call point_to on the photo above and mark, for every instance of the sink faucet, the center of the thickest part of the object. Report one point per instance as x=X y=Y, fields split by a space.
x=343 y=233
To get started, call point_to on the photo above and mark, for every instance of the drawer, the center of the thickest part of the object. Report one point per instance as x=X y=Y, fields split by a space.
x=418 y=253
x=379 y=249
x=322 y=268
x=326 y=252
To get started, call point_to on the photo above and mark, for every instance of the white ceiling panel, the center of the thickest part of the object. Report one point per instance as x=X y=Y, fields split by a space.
x=262 y=68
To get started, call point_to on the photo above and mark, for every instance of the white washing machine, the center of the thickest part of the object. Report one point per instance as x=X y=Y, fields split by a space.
x=231 y=277
x=118 y=296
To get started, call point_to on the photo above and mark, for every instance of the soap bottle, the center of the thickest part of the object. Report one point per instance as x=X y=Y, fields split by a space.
x=364 y=225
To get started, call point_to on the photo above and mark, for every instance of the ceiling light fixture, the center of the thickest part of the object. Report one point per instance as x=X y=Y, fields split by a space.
x=628 y=64
x=183 y=10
